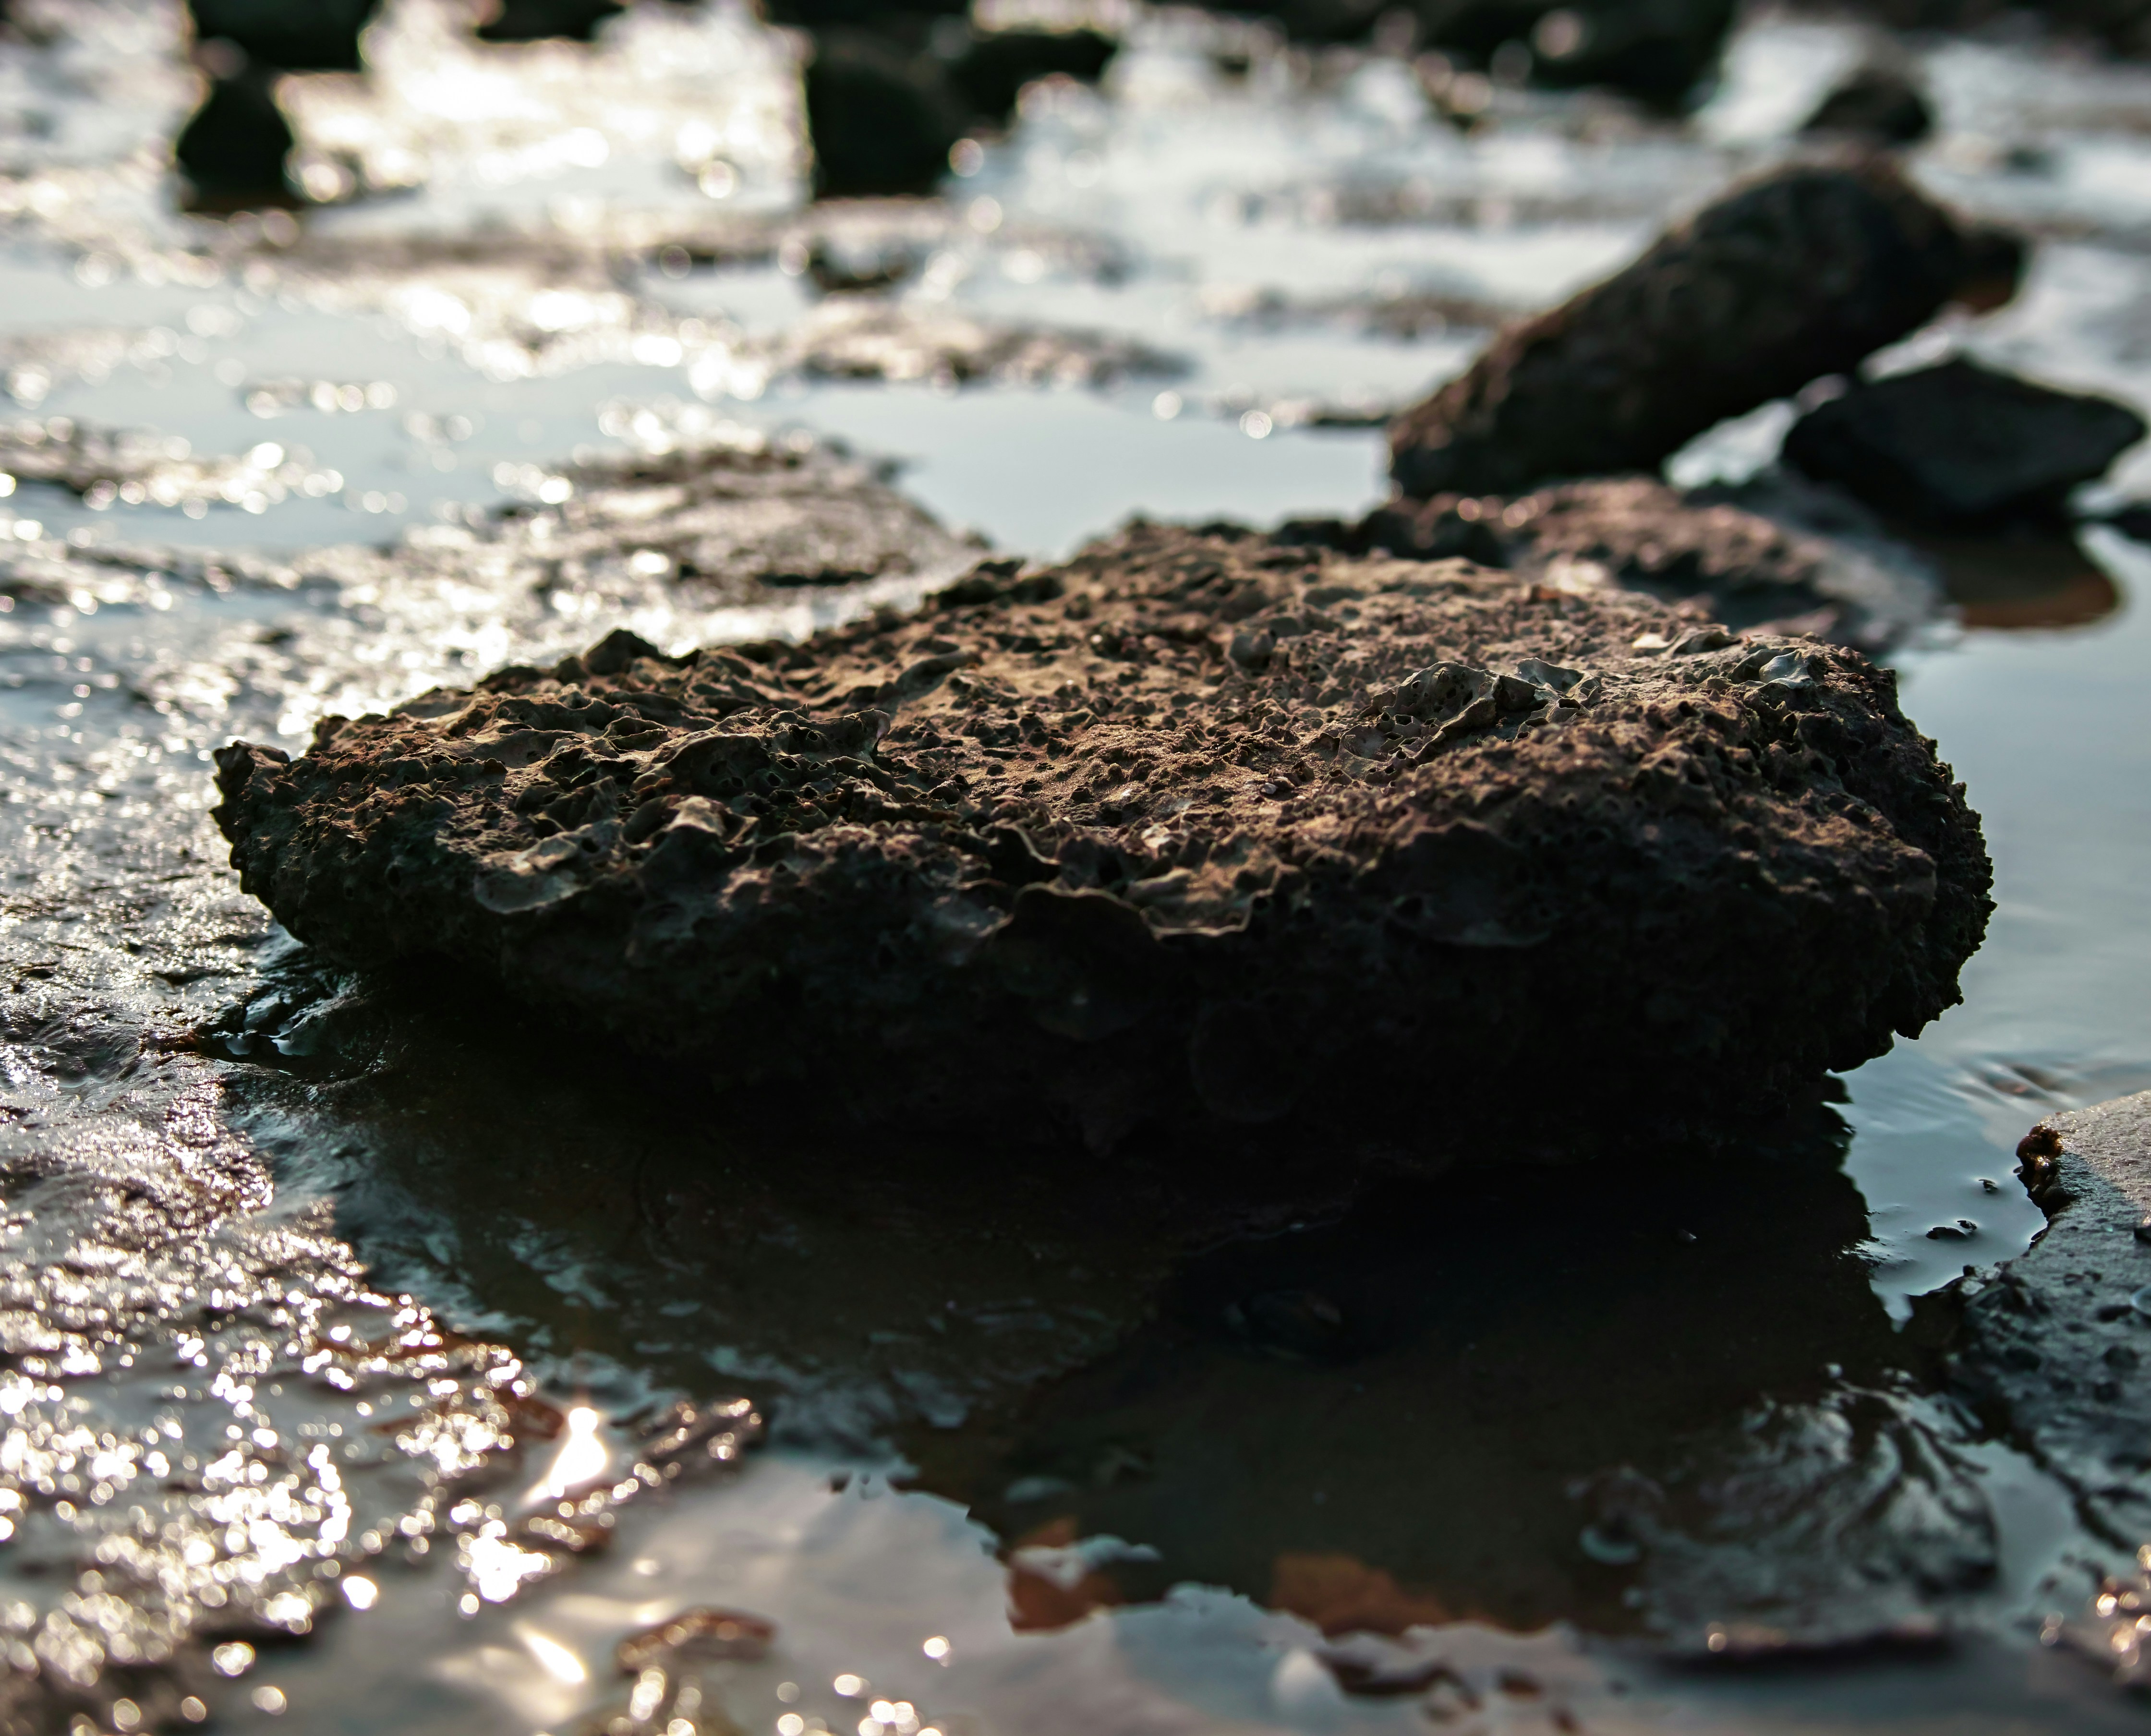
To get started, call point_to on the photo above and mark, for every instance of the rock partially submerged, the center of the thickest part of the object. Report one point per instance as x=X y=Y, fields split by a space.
x=1960 y=442
x=1203 y=818
x=1801 y=274
x=1751 y=562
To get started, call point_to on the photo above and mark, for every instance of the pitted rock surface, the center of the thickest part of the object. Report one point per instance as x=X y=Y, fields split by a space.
x=1200 y=818
x=1800 y=274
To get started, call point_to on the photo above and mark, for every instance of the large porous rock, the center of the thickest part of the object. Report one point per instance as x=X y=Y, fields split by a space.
x=1958 y=442
x=1200 y=819
x=1801 y=274
x=1712 y=557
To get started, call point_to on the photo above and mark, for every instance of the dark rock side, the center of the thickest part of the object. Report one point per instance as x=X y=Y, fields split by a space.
x=1958 y=442
x=1801 y=274
x=1199 y=821
x=890 y=90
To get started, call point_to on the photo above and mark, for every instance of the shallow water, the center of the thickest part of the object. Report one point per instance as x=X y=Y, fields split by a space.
x=303 y=1270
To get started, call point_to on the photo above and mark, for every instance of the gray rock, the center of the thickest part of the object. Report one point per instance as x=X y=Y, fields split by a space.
x=1201 y=821
x=1799 y=275
x=1960 y=442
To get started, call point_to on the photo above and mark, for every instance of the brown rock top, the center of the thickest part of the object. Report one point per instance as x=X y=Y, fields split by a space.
x=1200 y=819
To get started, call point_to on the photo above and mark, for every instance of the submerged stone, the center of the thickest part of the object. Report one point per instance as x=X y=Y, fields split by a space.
x=1761 y=559
x=1960 y=442
x=1799 y=275
x=1201 y=820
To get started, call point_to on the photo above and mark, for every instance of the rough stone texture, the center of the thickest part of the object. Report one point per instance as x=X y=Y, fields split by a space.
x=1801 y=274
x=1714 y=557
x=1959 y=442
x=2054 y=1346
x=1200 y=818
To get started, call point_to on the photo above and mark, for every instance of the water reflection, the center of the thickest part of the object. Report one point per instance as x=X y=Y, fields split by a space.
x=1662 y=1400
x=2021 y=578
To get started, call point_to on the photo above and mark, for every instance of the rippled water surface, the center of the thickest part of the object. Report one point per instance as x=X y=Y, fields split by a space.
x=346 y=1321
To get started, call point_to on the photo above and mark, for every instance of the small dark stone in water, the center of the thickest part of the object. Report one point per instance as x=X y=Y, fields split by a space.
x=233 y=151
x=882 y=120
x=755 y=858
x=1960 y=442
x=1801 y=274
x=1881 y=104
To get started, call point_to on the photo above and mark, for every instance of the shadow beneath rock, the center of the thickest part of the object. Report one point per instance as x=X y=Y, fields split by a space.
x=1667 y=1401
x=632 y=1231
x=1659 y=1399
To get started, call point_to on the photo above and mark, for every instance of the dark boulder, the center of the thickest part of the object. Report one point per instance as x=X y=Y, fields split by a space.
x=890 y=93
x=882 y=118
x=1799 y=275
x=233 y=151
x=1201 y=821
x=1881 y=104
x=290 y=35
x=1959 y=442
